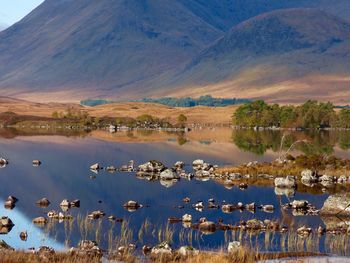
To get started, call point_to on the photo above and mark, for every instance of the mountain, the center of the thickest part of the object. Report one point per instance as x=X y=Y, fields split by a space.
x=284 y=55
x=122 y=49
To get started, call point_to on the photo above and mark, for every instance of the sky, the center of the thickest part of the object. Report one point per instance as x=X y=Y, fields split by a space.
x=11 y=11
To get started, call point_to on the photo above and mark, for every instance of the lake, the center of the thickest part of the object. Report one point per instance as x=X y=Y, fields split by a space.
x=65 y=174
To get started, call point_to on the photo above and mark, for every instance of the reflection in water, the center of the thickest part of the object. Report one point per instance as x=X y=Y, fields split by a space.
x=312 y=141
x=64 y=173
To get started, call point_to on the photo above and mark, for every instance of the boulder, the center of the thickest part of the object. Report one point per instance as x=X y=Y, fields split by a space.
x=131 y=205
x=337 y=204
x=233 y=247
x=285 y=182
x=168 y=174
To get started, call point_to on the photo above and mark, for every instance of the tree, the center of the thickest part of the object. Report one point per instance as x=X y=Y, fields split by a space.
x=55 y=115
x=182 y=119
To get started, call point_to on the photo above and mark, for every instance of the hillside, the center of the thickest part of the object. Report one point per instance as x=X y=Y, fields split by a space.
x=130 y=49
x=284 y=55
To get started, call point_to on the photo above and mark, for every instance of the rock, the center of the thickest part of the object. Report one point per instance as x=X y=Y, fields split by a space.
x=3 y=162
x=299 y=204
x=337 y=204
x=75 y=203
x=36 y=163
x=161 y=249
x=23 y=236
x=207 y=227
x=268 y=208
x=95 y=167
x=342 y=179
x=65 y=205
x=131 y=165
x=132 y=205
x=326 y=178
x=235 y=176
x=43 y=202
x=233 y=247
x=243 y=186
x=251 y=206
x=96 y=215
x=52 y=214
x=46 y=250
x=186 y=199
x=254 y=224
x=40 y=220
x=111 y=169
x=179 y=165
x=287 y=182
x=9 y=204
x=152 y=166
x=198 y=164
x=168 y=175
x=12 y=199
x=308 y=177
x=186 y=218
x=186 y=251
x=6 y=225
x=227 y=208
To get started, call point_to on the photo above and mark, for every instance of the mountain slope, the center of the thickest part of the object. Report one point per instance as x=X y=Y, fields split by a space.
x=104 y=44
x=264 y=56
x=122 y=49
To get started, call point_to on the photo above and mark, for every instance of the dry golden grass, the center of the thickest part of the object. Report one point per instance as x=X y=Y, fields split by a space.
x=200 y=114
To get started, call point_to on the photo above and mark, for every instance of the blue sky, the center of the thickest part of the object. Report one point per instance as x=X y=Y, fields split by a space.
x=12 y=11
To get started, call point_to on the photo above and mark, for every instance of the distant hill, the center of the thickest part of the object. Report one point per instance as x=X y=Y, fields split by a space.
x=132 y=49
x=284 y=55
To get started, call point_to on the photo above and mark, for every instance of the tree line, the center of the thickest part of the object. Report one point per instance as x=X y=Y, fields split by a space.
x=312 y=114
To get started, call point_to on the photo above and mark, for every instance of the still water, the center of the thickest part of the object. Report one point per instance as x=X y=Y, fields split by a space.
x=65 y=174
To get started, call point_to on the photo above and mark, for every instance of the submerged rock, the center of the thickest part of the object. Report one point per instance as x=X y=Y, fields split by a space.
x=132 y=205
x=337 y=204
